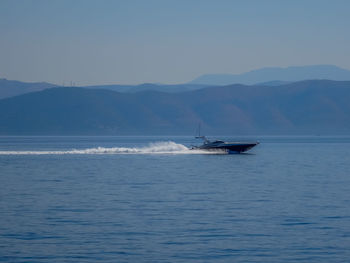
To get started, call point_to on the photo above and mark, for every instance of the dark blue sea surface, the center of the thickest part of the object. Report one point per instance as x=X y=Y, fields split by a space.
x=122 y=199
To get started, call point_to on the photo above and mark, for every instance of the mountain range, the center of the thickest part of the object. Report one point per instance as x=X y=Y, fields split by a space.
x=289 y=74
x=305 y=107
x=260 y=77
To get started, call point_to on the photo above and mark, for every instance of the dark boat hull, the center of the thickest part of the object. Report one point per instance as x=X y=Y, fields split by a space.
x=227 y=147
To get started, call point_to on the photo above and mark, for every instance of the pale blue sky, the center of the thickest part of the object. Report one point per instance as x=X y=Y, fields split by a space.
x=130 y=42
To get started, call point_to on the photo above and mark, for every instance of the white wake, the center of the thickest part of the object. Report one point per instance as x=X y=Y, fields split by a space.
x=153 y=148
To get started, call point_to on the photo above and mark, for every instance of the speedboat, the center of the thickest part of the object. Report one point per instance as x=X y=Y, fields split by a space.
x=221 y=146
x=228 y=147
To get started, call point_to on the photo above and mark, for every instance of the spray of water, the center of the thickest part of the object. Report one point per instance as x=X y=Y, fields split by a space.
x=153 y=148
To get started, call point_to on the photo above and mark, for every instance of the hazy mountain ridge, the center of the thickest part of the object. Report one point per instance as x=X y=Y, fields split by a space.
x=307 y=107
x=9 y=88
x=171 y=88
x=289 y=74
x=260 y=77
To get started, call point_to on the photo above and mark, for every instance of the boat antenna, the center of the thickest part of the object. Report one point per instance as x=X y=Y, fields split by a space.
x=199 y=136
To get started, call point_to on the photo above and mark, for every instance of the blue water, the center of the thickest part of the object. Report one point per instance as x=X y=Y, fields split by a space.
x=288 y=200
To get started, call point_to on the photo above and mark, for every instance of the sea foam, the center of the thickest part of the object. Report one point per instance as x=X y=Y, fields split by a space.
x=153 y=148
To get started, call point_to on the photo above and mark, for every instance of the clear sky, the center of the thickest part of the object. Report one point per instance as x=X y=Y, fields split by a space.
x=130 y=42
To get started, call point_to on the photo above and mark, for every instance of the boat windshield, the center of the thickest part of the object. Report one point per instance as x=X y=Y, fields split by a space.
x=218 y=142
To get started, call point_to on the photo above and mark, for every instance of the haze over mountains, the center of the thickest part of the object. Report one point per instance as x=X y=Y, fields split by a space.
x=262 y=77
x=289 y=74
x=10 y=88
x=306 y=107
x=276 y=105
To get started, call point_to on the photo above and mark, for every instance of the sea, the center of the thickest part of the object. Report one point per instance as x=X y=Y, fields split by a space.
x=151 y=199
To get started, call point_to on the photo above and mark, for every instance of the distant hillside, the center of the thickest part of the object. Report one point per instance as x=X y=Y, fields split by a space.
x=307 y=107
x=9 y=88
x=273 y=83
x=261 y=77
x=150 y=86
x=290 y=74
